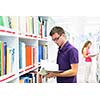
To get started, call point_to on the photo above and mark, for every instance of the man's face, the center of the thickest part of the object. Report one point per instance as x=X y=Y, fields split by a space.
x=57 y=39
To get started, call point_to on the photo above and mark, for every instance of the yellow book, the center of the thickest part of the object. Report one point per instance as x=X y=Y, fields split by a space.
x=7 y=69
x=9 y=62
x=13 y=22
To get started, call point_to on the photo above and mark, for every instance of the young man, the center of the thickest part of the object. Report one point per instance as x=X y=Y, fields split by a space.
x=67 y=58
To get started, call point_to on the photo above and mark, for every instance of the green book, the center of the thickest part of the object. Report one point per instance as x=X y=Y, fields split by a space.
x=1 y=21
x=4 y=21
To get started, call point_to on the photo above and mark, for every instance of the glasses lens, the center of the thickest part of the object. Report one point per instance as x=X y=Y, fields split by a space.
x=56 y=38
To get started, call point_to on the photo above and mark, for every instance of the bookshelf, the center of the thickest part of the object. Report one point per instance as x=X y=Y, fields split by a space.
x=24 y=36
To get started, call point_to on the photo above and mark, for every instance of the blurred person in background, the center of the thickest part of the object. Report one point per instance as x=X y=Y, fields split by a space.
x=88 y=59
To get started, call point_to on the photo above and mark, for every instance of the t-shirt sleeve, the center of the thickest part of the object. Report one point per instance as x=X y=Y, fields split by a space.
x=73 y=56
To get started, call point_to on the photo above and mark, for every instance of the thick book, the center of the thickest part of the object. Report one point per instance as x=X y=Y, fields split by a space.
x=47 y=67
x=44 y=72
x=55 y=71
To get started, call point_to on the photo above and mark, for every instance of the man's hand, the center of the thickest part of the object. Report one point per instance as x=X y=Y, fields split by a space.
x=50 y=75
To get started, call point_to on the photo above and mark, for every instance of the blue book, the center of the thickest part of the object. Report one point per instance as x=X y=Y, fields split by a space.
x=40 y=53
x=13 y=57
x=20 y=55
x=5 y=57
x=26 y=80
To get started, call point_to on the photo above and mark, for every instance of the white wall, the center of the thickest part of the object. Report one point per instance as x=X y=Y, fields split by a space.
x=79 y=28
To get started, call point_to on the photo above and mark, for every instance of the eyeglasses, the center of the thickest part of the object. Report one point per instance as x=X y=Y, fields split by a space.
x=56 y=39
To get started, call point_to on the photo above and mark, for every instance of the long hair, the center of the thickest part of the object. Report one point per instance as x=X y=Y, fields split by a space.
x=85 y=45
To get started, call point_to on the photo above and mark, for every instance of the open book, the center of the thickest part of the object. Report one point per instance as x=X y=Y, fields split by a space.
x=44 y=72
x=47 y=67
x=94 y=54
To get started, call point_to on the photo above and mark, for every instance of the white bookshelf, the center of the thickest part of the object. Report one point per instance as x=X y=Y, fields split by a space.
x=13 y=38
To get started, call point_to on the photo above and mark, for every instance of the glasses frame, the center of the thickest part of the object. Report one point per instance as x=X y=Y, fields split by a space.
x=56 y=39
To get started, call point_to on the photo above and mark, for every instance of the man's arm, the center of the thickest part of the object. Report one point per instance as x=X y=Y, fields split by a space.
x=67 y=73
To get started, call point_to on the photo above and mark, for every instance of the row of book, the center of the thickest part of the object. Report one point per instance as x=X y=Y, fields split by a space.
x=27 y=55
x=42 y=52
x=28 y=78
x=34 y=25
x=42 y=27
x=7 y=56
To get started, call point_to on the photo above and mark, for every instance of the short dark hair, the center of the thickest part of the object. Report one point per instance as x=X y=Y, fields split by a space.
x=57 y=29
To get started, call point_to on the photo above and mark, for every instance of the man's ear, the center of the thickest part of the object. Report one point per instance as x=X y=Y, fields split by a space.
x=63 y=34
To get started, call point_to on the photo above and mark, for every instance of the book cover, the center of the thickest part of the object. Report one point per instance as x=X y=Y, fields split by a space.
x=32 y=25
x=5 y=57
x=34 y=55
x=1 y=21
x=29 y=55
x=40 y=52
x=22 y=55
x=45 y=52
x=35 y=25
x=0 y=57
x=49 y=66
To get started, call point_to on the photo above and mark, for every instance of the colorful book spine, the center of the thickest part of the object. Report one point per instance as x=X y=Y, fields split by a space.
x=32 y=25
x=34 y=55
x=10 y=60
x=0 y=57
x=5 y=57
x=1 y=21
x=45 y=52
x=40 y=52
x=29 y=55
x=22 y=55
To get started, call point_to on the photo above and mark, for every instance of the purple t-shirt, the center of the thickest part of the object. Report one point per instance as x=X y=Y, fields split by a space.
x=66 y=56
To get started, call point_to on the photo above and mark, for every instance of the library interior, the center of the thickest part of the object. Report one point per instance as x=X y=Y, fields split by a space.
x=28 y=53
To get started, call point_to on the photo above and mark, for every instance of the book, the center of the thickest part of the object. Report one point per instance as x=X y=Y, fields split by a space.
x=0 y=57
x=55 y=71
x=45 y=52
x=42 y=72
x=22 y=55
x=49 y=66
x=29 y=55
x=34 y=55
x=40 y=52
x=1 y=21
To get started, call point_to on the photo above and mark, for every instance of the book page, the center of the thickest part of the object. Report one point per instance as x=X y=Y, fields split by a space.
x=49 y=66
